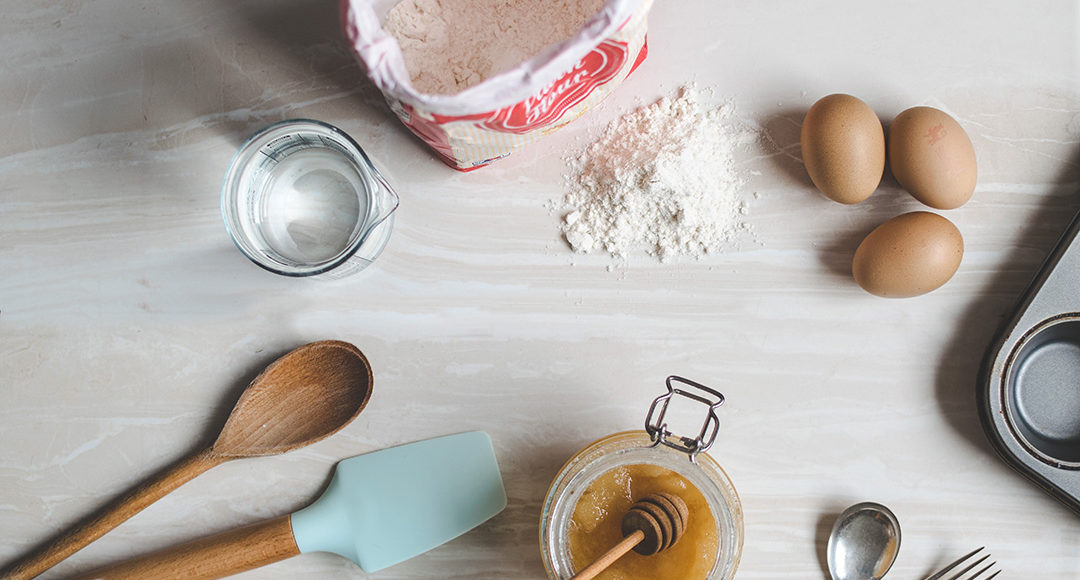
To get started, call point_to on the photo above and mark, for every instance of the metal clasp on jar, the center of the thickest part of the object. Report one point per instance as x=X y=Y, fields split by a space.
x=658 y=429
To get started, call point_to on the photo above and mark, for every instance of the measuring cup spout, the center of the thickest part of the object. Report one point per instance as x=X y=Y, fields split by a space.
x=386 y=200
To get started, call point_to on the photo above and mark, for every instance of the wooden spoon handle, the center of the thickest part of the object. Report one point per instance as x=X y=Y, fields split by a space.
x=112 y=515
x=608 y=558
x=211 y=557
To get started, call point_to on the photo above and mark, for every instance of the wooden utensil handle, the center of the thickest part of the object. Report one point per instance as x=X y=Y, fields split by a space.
x=217 y=556
x=112 y=515
x=609 y=557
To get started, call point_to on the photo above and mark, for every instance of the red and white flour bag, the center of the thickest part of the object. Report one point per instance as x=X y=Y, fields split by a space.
x=489 y=120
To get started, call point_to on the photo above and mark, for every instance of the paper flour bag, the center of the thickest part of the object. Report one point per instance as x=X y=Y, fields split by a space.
x=490 y=119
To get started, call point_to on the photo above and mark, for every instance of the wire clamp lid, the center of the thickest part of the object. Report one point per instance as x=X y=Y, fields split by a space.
x=658 y=429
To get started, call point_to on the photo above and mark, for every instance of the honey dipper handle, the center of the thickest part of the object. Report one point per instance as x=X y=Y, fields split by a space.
x=217 y=556
x=608 y=558
x=112 y=515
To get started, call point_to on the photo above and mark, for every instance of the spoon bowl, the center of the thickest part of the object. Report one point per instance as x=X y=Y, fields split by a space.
x=305 y=396
x=863 y=543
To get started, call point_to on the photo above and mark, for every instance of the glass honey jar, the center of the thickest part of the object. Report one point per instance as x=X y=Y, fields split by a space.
x=584 y=506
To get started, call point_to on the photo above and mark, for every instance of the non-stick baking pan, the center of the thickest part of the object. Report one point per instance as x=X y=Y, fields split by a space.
x=1029 y=385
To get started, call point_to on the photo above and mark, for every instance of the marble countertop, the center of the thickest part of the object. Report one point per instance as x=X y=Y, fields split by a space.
x=129 y=322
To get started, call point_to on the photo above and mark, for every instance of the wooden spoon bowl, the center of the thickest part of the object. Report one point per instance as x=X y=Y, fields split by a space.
x=305 y=396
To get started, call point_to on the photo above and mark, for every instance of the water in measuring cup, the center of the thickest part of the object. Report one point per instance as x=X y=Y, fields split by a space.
x=314 y=204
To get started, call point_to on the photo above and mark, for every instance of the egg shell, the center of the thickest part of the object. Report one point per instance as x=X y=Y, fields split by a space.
x=908 y=255
x=932 y=157
x=843 y=147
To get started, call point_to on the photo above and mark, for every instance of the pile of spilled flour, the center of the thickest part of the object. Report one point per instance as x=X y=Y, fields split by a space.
x=662 y=179
x=451 y=45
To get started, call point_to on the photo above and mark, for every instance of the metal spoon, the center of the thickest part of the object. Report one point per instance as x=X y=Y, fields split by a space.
x=864 y=542
x=304 y=396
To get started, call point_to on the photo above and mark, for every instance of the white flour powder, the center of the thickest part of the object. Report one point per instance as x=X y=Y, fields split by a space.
x=662 y=179
x=451 y=45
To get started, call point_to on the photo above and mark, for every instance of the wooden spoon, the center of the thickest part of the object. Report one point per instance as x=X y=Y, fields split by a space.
x=653 y=524
x=303 y=397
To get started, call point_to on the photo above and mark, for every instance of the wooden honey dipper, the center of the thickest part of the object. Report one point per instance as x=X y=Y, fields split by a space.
x=653 y=524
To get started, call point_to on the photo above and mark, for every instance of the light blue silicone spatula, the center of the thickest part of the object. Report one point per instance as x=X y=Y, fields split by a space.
x=380 y=508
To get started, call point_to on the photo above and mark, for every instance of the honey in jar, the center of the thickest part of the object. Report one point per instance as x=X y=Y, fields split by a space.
x=596 y=525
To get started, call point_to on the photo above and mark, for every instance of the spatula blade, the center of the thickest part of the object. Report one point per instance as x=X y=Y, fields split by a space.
x=387 y=506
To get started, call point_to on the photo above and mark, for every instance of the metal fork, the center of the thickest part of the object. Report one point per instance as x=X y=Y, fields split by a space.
x=978 y=574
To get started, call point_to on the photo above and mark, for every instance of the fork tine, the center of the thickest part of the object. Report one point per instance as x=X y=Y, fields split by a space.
x=941 y=573
x=991 y=577
x=983 y=570
x=970 y=567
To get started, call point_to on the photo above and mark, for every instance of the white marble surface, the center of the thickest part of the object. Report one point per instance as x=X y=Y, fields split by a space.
x=128 y=321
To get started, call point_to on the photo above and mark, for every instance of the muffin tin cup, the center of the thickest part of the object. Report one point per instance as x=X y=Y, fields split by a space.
x=1029 y=389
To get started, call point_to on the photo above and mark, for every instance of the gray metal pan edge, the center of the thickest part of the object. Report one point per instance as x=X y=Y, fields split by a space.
x=1053 y=297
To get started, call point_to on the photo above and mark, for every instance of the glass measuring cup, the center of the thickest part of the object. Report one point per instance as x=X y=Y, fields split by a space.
x=302 y=199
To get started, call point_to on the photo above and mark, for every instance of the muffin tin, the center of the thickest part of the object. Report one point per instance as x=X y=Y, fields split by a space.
x=1029 y=391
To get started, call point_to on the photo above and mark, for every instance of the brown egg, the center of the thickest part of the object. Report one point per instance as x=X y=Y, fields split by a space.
x=932 y=157
x=908 y=255
x=843 y=147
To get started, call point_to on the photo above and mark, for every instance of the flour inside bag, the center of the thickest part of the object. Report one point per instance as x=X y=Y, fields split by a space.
x=478 y=79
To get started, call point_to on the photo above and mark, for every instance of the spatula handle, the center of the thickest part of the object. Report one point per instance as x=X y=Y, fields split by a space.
x=112 y=515
x=211 y=557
